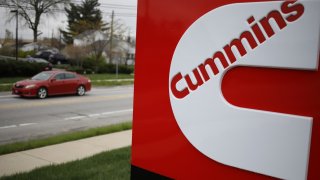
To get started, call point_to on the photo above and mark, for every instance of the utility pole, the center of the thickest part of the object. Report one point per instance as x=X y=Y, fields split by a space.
x=111 y=43
x=111 y=36
x=51 y=42
x=129 y=36
x=60 y=39
x=16 y=11
x=52 y=32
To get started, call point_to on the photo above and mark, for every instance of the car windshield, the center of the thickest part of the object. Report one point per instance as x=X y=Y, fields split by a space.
x=42 y=76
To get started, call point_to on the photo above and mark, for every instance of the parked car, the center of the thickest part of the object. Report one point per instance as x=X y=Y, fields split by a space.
x=47 y=65
x=52 y=56
x=49 y=83
x=58 y=59
x=43 y=54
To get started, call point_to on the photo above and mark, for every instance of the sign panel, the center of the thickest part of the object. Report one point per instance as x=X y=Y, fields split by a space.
x=227 y=89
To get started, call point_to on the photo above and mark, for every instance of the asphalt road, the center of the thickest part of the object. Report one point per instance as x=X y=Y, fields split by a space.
x=30 y=118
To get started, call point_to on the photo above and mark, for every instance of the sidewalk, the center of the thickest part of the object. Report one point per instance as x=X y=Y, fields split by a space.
x=55 y=154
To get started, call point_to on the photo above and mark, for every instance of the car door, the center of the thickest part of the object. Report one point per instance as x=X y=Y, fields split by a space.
x=57 y=84
x=71 y=82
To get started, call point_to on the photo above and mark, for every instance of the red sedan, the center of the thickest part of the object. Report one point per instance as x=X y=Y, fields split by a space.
x=50 y=83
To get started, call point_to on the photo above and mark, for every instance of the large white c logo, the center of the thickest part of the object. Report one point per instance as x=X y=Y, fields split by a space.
x=269 y=143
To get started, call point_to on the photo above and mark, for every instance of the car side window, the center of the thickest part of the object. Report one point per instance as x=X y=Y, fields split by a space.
x=70 y=76
x=60 y=76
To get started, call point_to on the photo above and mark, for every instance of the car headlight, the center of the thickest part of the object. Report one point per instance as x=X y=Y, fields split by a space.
x=89 y=81
x=30 y=86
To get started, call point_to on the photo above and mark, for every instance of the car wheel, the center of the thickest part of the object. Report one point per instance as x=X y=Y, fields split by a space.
x=81 y=90
x=42 y=93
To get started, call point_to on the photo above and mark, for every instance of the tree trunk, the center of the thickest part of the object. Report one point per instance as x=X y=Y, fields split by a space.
x=35 y=26
x=35 y=35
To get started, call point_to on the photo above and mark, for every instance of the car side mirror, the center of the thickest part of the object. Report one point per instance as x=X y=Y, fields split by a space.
x=53 y=80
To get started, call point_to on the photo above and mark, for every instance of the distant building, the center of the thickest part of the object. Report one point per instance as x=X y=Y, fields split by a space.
x=123 y=52
x=89 y=37
x=33 y=46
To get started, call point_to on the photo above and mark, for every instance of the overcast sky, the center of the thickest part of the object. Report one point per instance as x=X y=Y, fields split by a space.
x=125 y=13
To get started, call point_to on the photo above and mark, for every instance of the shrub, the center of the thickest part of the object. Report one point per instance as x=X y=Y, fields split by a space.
x=107 y=68
x=11 y=68
x=125 y=69
x=88 y=71
x=7 y=51
x=24 y=54
x=61 y=66
x=88 y=63
x=92 y=63
x=76 y=69
x=111 y=69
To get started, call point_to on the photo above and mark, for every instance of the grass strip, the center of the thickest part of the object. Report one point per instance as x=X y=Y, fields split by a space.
x=31 y=144
x=5 y=87
x=11 y=80
x=109 y=76
x=107 y=165
x=111 y=83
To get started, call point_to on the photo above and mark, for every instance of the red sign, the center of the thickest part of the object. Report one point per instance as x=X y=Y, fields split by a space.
x=227 y=90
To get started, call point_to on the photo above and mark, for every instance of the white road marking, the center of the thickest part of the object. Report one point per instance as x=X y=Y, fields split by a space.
x=58 y=101
x=17 y=125
x=7 y=127
x=97 y=115
x=27 y=124
x=94 y=115
x=74 y=118
x=115 y=112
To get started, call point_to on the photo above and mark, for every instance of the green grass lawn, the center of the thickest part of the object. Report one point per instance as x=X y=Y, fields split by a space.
x=11 y=80
x=6 y=82
x=113 y=165
x=31 y=144
x=5 y=88
x=94 y=77
x=111 y=83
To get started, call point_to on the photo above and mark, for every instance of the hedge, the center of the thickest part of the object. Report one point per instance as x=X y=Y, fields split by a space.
x=106 y=68
x=111 y=68
x=12 y=68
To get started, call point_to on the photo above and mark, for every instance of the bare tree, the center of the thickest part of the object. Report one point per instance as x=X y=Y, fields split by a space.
x=98 y=48
x=32 y=10
x=8 y=37
x=116 y=32
x=95 y=42
x=76 y=54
